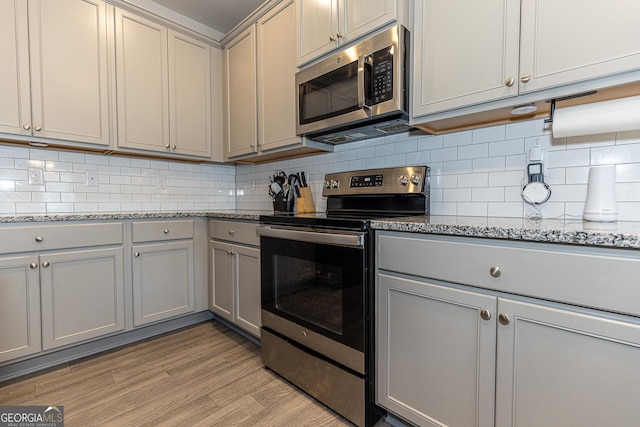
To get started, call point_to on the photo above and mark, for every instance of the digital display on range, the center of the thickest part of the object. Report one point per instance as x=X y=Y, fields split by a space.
x=366 y=181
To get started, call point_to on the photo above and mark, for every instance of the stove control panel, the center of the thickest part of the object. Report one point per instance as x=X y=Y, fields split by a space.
x=400 y=180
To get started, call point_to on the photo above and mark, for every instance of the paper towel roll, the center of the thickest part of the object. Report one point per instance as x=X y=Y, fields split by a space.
x=616 y=115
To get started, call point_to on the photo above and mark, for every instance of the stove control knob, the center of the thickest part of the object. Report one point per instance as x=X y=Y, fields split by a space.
x=404 y=180
x=415 y=179
x=327 y=184
x=334 y=183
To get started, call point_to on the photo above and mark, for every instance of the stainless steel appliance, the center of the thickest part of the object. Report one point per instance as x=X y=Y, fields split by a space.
x=360 y=92
x=317 y=286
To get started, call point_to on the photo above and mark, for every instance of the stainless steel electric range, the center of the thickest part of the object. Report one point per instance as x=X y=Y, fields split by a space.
x=318 y=286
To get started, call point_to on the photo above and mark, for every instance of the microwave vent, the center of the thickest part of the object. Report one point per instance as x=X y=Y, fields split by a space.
x=394 y=128
x=338 y=139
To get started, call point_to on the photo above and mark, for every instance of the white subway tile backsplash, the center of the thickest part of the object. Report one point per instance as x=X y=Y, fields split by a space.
x=473 y=180
x=506 y=148
x=474 y=151
x=489 y=134
x=458 y=138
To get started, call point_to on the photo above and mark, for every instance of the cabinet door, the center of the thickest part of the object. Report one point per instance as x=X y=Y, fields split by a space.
x=247 y=293
x=221 y=279
x=69 y=81
x=435 y=354
x=569 y=41
x=82 y=295
x=142 y=83
x=19 y=307
x=359 y=17
x=241 y=118
x=464 y=53
x=564 y=368
x=189 y=95
x=277 y=94
x=15 y=102
x=163 y=284
x=317 y=27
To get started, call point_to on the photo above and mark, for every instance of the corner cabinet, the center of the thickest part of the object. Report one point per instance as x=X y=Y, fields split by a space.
x=457 y=346
x=163 y=270
x=163 y=89
x=260 y=95
x=54 y=75
x=516 y=47
x=59 y=285
x=235 y=273
x=325 y=25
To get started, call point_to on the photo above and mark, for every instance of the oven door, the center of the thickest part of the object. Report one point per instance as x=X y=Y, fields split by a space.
x=313 y=287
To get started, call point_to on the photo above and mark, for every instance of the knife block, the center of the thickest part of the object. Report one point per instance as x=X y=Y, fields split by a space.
x=305 y=201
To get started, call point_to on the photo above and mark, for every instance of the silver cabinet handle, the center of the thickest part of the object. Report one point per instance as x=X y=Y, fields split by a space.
x=38 y=128
x=339 y=35
x=33 y=265
x=166 y=146
x=331 y=38
x=232 y=232
x=166 y=231
x=39 y=239
x=525 y=78
x=46 y=264
x=509 y=81
x=485 y=314
x=495 y=271
x=173 y=147
x=503 y=319
x=26 y=127
x=229 y=252
x=136 y=254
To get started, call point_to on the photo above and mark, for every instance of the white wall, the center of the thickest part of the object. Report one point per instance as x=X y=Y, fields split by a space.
x=477 y=172
x=125 y=184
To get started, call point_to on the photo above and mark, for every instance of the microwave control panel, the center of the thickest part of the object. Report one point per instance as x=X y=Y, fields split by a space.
x=382 y=75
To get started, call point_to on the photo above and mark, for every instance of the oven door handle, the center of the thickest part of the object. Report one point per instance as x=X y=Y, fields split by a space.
x=349 y=239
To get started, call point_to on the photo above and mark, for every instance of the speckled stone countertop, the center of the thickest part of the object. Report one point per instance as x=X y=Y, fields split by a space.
x=621 y=234
x=228 y=214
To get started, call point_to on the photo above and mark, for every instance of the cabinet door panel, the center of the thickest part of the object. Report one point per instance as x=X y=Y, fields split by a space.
x=455 y=68
x=163 y=283
x=68 y=47
x=222 y=280
x=362 y=16
x=15 y=103
x=82 y=295
x=558 y=367
x=248 y=298
x=277 y=94
x=19 y=307
x=142 y=83
x=317 y=22
x=241 y=118
x=569 y=41
x=435 y=354
x=190 y=95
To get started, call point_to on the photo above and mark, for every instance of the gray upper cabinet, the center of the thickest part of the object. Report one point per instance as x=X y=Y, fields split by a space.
x=54 y=75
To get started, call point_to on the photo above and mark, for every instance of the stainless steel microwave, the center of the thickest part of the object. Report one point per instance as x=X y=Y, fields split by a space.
x=359 y=92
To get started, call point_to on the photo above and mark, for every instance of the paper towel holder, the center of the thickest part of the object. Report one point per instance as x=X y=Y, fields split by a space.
x=564 y=98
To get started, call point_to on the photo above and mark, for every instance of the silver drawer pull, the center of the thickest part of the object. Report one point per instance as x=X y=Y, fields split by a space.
x=33 y=265
x=495 y=271
x=485 y=314
x=46 y=264
x=504 y=319
x=136 y=254
x=166 y=231
x=39 y=239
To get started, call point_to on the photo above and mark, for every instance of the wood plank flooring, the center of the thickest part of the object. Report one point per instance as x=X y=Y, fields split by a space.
x=204 y=375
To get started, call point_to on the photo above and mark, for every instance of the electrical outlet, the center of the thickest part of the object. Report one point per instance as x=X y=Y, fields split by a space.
x=92 y=179
x=162 y=182
x=36 y=176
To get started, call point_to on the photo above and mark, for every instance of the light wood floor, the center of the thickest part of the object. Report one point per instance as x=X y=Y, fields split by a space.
x=205 y=375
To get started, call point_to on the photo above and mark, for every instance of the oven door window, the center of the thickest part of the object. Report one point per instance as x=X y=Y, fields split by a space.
x=318 y=286
x=329 y=95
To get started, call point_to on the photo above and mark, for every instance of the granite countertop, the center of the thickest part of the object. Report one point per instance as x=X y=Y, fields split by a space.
x=621 y=234
x=250 y=215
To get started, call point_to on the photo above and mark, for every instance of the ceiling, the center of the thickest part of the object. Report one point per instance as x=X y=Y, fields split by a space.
x=221 y=15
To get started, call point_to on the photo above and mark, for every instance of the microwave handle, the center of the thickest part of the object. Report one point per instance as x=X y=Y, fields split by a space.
x=363 y=62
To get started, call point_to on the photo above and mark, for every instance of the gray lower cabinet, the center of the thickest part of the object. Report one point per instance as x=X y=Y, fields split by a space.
x=235 y=274
x=59 y=285
x=163 y=270
x=457 y=355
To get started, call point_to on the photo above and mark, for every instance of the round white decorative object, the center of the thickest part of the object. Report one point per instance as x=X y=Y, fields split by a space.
x=536 y=193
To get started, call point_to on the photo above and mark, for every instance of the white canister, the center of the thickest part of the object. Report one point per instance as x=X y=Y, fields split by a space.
x=601 y=195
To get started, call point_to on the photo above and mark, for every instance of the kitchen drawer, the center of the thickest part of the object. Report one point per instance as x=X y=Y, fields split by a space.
x=234 y=231
x=593 y=277
x=29 y=238
x=151 y=231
